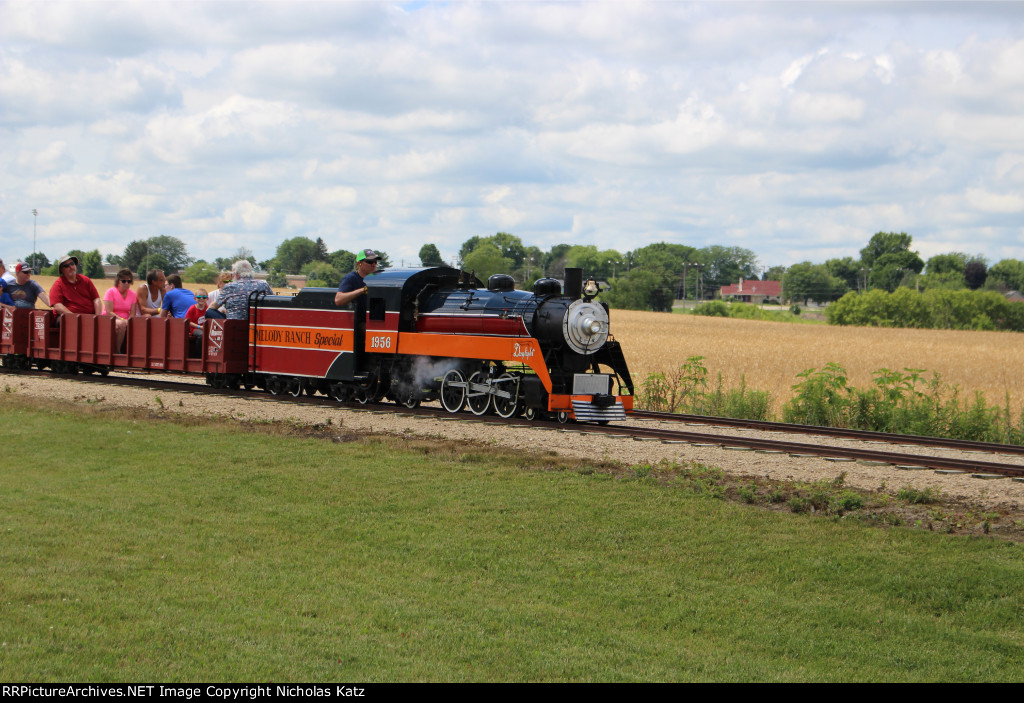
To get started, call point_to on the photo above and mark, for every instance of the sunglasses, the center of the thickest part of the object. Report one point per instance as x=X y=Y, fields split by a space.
x=122 y=280
x=202 y=297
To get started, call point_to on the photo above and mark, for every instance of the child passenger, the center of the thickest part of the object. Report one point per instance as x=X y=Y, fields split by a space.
x=196 y=315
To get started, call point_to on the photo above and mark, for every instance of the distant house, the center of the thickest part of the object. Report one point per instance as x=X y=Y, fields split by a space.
x=753 y=291
x=1015 y=297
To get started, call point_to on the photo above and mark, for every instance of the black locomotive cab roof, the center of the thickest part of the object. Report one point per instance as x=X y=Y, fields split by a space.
x=391 y=285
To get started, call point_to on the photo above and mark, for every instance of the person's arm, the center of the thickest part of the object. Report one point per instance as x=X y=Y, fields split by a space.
x=97 y=305
x=345 y=298
x=44 y=297
x=143 y=294
x=109 y=306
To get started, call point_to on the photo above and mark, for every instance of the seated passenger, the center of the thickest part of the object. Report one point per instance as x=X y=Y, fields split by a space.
x=234 y=297
x=121 y=302
x=196 y=314
x=24 y=291
x=222 y=280
x=177 y=300
x=151 y=293
x=72 y=292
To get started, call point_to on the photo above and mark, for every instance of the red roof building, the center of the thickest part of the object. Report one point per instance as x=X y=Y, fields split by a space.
x=753 y=291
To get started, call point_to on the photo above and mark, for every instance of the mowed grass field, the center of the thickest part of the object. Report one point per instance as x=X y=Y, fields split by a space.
x=149 y=549
x=769 y=355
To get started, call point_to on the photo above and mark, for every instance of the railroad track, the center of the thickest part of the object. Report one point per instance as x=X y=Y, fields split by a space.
x=837 y=432
x=968 y=465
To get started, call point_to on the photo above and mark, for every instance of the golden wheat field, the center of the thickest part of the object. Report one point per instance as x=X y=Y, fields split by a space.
x=771 y=354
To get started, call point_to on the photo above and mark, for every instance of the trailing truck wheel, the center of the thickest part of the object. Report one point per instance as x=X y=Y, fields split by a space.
x=453 y=391
x=531 y=414
x=562 y=416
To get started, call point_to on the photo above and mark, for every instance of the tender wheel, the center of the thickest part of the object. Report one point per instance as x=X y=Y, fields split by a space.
x=507 y=407
x=338 y=392
x=294 y=387
x=479 y=401
x=453 y=391
x=274 y=385
x=562 y=417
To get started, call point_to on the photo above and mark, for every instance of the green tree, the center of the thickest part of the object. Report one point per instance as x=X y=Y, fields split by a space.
x=1006 y=275
x=890 y=270
x=92 y=262
x=201 y=272
x=321 y=250
x=847 y=269
x=322 y=273
x=953 y=262
x=430 y=256
x=38 y=261
x=641 y=289
x=163 y=252
x=727 y=265
x=886 y=243
x=508 y=245
x=343 y=260
x=293 y=254
x=486 y=260
x=806 y=281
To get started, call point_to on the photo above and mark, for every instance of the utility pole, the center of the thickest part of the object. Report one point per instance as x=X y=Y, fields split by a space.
x=35 y=218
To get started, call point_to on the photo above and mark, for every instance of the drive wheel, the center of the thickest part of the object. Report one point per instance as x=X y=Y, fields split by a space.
x=479 y=401
x=453 y=391
x=507 y=407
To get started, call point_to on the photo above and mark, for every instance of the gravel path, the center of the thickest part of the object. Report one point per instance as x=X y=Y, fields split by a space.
x=994 y=494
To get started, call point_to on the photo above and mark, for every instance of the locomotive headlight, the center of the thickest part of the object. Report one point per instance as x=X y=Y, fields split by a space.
x=585 y=326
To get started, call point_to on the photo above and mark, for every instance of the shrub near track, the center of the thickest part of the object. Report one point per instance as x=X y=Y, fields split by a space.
x=156 y=550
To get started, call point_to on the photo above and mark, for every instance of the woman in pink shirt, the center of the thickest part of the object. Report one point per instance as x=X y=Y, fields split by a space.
x=121 y=302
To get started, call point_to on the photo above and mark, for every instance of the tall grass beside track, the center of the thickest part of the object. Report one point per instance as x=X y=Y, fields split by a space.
x=154 y=550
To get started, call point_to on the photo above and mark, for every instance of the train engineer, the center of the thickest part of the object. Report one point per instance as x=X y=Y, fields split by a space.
x=353 y=285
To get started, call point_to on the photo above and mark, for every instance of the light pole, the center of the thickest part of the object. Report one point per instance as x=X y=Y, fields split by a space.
x=35 y=218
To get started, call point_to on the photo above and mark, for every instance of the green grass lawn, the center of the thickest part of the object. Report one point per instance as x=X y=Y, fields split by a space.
x=151 y=550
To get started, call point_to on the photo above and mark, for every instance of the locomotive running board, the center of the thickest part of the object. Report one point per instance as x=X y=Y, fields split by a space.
x=587 y=412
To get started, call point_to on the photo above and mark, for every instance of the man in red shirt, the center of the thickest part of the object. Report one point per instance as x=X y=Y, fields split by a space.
x=73 y=292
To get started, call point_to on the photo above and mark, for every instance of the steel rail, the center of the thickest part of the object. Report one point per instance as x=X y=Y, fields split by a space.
x=699 y=439
x=838 y=432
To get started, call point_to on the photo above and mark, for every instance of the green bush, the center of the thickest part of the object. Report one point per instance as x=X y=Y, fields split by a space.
x=933 y=309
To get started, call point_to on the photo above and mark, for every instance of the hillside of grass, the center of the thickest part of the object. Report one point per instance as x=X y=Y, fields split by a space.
x=156 y=550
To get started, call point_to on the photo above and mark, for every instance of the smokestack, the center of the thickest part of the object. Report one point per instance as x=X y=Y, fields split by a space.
x=573 y=283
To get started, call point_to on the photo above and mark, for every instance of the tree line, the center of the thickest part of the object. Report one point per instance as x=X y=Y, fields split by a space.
x=647 y=278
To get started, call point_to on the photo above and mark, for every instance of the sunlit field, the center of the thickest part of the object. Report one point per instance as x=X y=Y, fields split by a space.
x=771 y=354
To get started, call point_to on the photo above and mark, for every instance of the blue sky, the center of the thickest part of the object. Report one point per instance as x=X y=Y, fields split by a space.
x=796 y=130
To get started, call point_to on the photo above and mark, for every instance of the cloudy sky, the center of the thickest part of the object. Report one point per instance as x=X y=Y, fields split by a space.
x=794 y=129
